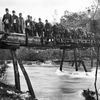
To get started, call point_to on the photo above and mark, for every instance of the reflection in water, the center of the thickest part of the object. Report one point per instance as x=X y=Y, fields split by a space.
x=50 y=84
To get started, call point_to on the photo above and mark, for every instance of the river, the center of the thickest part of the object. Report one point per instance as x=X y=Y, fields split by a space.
x=51 y=84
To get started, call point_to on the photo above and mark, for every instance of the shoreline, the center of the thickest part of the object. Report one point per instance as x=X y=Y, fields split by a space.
x=9 y=92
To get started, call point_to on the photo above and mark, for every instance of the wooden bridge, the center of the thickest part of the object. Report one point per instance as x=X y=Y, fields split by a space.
x=13 y=41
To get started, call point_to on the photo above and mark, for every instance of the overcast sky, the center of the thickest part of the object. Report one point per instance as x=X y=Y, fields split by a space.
x=43 y=8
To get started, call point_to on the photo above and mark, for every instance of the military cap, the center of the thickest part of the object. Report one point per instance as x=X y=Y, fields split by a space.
x=28 y=15
x=39 y=18
x=20 y=13
x=13 y=11
x=6 y=9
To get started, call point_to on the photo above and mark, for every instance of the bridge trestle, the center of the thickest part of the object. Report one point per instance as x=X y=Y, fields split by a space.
x=75 y=62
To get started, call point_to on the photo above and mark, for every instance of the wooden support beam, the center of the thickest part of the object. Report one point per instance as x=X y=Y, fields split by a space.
x=16 y=72
x=26 y=39
x=79 y=64
x=91 y=50
x=62 y=60
x=75 y=59
x=80 y=57
x=81 y=61
x=73 y=63
x=84 y=66
x=96 y=73
x=27 y=79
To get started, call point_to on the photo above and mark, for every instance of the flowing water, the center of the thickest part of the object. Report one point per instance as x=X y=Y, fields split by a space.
x=51 y=84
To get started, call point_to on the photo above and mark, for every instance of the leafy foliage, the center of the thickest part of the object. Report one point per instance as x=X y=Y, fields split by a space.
x=73 y=20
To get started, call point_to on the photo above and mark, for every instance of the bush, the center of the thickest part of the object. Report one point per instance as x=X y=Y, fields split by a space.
x=31 y=54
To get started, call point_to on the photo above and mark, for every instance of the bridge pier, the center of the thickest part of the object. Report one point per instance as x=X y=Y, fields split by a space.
x=17 y=61
x=16 y=72
x=84 y=66
x=91 y=50
x=96 y=73
x=75 y=60
x=27 y=79
x=78 y=62
x=26 y=37
x=62 y=59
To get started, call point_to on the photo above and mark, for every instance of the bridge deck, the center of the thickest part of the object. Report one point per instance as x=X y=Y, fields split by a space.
x=15 y=40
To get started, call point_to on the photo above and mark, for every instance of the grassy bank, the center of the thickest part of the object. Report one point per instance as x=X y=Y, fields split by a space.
x=31 y=54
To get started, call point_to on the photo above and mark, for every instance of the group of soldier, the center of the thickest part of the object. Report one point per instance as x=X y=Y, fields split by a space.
x=17 y=24
x=13 y=23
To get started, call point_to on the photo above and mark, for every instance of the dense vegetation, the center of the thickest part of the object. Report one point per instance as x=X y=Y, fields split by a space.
x=31 y=54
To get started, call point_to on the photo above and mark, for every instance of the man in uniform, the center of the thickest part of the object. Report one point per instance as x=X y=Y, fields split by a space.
x=33 y=27
x=7 y=21
x=14 y=22
x=34 y=30
x=40 y=28
x=29 y=26
x=48 y=30
x=55 y=30
x=21 y=23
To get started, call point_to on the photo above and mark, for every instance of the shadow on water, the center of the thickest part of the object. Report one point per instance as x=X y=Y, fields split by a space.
x=50 y=86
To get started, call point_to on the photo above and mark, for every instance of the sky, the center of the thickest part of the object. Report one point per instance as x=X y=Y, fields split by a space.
x=44 y=9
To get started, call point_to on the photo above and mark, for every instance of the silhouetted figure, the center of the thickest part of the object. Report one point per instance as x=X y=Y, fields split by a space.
x=40 y=28
x=21 y=23
x=48 y=30
x=7 y=21
x=28 y=28
x=33 y=27
x=55 y=30
x=14 y=22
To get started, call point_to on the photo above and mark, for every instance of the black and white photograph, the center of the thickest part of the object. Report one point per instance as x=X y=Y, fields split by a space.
x=49 y=49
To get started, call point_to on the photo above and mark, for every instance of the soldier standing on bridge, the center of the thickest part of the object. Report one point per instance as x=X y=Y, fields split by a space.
x=33 y=27
x=55 y=31
x=40 y=28
x=48 y=30
x=21 y=23
x=14 y=22
x=28 y=26
x=7 y=21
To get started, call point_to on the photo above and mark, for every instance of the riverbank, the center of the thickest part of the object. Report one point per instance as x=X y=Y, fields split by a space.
x=9 y=92
x=3 y=67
